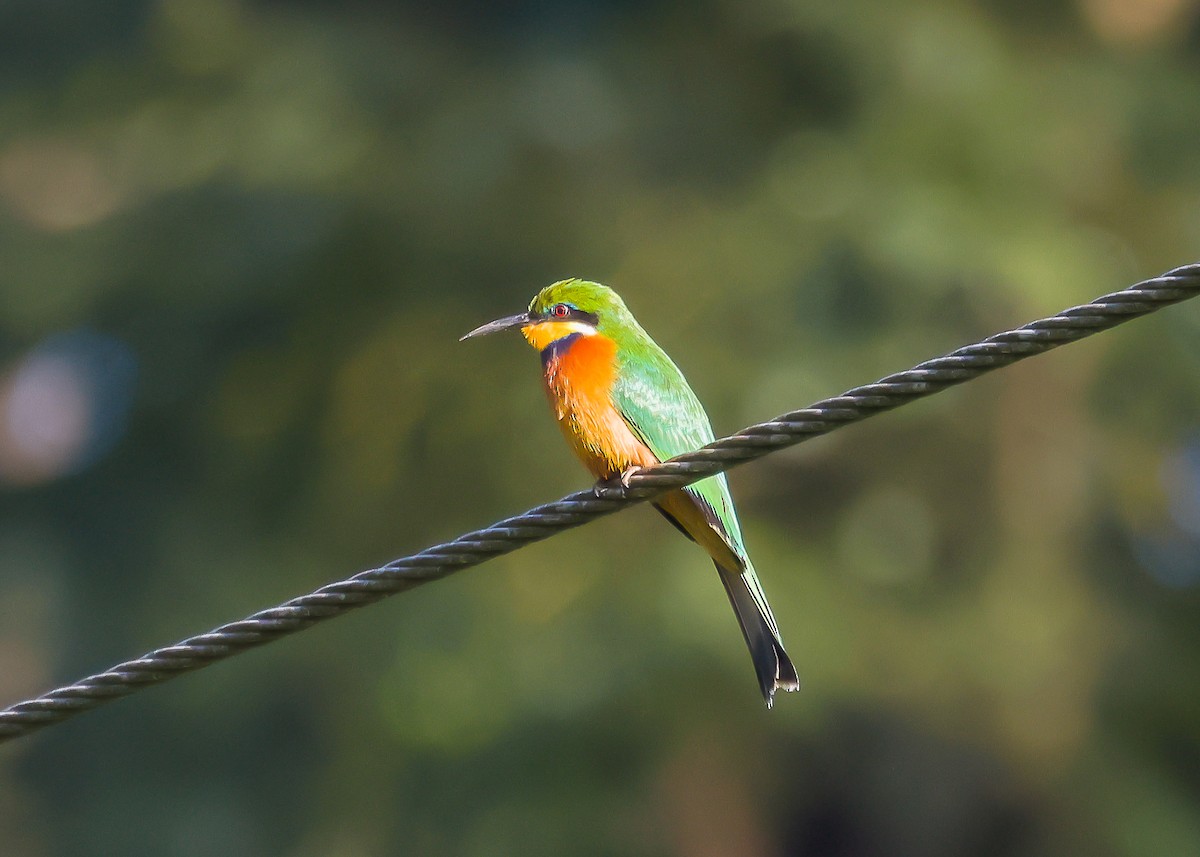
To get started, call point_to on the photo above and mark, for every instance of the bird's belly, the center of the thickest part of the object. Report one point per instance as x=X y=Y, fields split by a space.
x=579 y=372
x=596 y=431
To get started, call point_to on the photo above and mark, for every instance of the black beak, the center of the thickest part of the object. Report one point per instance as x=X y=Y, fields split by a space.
x=519 y=320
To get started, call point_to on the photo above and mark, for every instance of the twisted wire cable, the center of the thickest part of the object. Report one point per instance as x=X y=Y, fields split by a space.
x=544 y=521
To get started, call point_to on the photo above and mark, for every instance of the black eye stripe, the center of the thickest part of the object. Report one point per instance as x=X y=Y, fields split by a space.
x=573 y=314
x=586 y=317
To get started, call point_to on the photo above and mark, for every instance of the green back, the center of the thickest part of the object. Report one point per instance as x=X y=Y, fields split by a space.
x=665 y=414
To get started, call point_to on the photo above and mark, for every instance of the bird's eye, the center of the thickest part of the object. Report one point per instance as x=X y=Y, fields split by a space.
x=560 y=311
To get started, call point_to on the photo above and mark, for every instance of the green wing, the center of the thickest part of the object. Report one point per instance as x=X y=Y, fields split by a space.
x=661 y=409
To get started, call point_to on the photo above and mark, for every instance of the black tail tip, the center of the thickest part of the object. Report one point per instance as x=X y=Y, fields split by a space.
x=785 y=678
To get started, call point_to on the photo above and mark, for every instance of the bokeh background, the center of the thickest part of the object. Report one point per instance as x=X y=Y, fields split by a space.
x=238 y=243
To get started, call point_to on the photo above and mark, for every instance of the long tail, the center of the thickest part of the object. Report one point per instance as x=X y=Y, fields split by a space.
x=771 y=662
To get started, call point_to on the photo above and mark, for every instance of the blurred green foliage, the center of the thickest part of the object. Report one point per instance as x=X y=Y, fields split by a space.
x=286 y=214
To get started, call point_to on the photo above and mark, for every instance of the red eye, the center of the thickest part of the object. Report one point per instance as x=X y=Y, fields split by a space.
x=560 y=311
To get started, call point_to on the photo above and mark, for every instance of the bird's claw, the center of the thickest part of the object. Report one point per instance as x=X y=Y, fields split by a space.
x=615 y=487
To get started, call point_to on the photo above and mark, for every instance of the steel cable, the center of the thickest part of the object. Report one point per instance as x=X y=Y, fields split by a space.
x=575 y=509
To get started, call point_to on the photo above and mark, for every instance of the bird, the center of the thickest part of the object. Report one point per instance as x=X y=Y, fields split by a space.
x=622 y=405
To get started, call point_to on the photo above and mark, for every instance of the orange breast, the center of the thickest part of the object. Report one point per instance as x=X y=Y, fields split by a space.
x=579 y=382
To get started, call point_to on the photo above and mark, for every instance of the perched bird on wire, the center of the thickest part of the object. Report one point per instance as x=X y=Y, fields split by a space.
x=623 y=404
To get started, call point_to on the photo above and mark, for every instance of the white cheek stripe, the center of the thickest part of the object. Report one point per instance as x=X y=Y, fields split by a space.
x=579 y=327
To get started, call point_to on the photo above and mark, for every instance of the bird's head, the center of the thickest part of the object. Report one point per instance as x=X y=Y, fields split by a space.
x=562 y=309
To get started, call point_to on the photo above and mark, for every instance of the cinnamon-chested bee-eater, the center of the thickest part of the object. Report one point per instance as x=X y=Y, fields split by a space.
x=623 y=404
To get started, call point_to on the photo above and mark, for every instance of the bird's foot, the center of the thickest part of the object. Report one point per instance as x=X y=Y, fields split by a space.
x=615 y=487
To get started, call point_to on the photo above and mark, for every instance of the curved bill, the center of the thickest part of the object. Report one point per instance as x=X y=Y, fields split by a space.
x=518 y=320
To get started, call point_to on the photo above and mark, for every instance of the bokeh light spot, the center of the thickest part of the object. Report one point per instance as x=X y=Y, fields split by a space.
x=63 y=405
